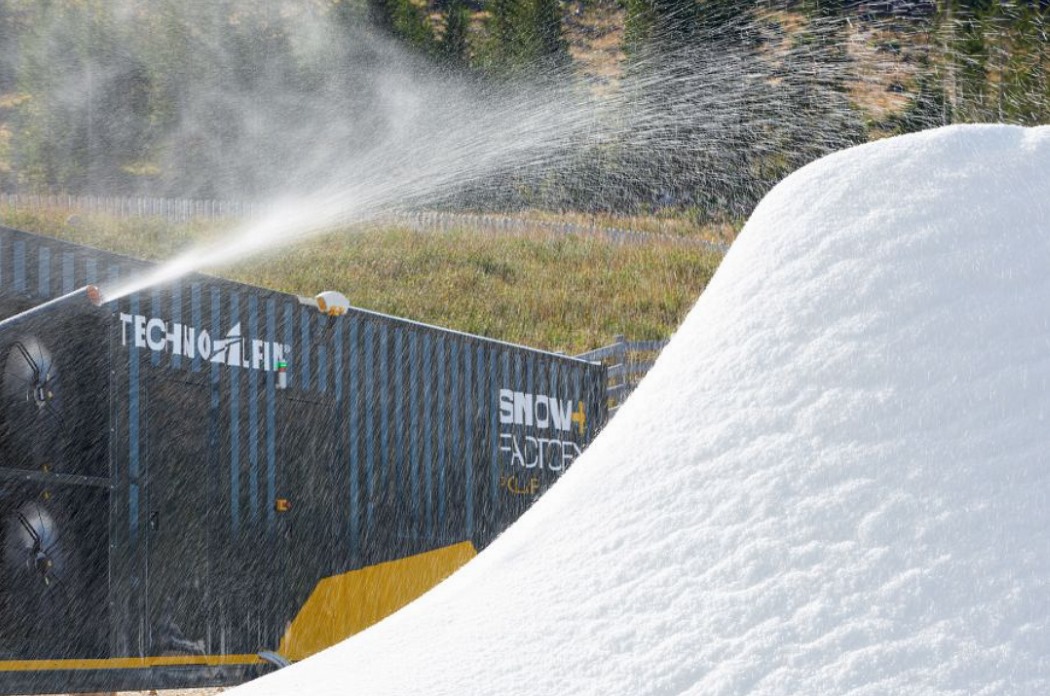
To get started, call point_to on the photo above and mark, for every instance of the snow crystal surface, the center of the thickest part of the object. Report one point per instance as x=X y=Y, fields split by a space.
x=836 y=479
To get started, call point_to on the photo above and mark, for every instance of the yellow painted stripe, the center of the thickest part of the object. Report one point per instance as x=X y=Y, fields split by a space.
x=339 y=607
x=343 y=605
x=127 y=662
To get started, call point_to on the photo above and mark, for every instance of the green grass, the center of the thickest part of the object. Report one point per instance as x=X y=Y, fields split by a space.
x=557 y=292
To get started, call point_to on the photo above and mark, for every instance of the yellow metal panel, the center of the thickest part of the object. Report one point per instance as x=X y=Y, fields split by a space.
x=127 y=662
x=343 y=605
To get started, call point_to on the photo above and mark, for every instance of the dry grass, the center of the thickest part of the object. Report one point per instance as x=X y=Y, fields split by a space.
x=558 y=292
x=594 y=32
x=887 y=61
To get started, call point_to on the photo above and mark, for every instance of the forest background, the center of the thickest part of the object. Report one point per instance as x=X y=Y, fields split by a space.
x=142 y=97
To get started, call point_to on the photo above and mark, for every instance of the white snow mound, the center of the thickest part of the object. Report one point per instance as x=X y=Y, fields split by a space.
x=836 y=480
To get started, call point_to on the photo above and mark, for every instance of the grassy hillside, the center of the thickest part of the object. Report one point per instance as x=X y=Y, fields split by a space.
x=886 y=55
x=558 y=292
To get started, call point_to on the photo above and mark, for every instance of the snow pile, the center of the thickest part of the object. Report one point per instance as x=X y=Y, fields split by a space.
x=834 y=481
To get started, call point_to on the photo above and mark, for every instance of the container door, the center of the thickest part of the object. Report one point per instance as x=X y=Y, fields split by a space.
x=305 y=495
x=178 y=517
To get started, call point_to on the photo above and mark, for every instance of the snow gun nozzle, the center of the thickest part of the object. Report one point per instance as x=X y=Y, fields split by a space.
x=71 y=301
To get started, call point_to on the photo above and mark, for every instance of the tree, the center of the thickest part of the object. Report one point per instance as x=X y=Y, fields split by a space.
x=996 y=59
x=1021 y=56
x=508 y=50
x=968 y=56
x=412 y=25
x=666 y=24
x=691 y=71
x=454 y=49
x=551 y=49
x=402 y=19
x=527 y=38
x=928 y=108
x=87 y=117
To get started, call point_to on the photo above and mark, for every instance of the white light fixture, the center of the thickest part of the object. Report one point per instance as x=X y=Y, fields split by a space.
x=332 y=303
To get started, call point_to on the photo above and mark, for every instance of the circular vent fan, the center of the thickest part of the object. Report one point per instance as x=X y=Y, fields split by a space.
x=39 y=580
x=32 y=405
x=33 y=554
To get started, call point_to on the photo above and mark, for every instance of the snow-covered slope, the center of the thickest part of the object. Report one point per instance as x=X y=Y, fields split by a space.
x=835 y=480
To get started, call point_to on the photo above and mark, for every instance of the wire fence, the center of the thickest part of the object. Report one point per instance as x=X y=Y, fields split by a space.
x=184 y=210
x=440 y=220
x=628 y=363
x=171 y=209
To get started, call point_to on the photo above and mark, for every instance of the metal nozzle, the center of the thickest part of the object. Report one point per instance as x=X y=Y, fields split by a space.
x=88 y=297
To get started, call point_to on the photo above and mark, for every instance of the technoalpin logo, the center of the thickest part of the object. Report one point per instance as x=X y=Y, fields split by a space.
x=178 y=339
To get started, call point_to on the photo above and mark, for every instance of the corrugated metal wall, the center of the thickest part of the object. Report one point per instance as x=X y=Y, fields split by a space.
x=391 y=438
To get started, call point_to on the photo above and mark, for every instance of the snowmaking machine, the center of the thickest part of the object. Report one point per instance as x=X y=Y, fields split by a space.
x=205 y=480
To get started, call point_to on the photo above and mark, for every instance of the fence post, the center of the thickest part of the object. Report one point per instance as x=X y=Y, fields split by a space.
x=620 y=359
x=621 y=349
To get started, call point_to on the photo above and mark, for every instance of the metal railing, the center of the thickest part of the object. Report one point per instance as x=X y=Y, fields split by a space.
x=628 y=362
